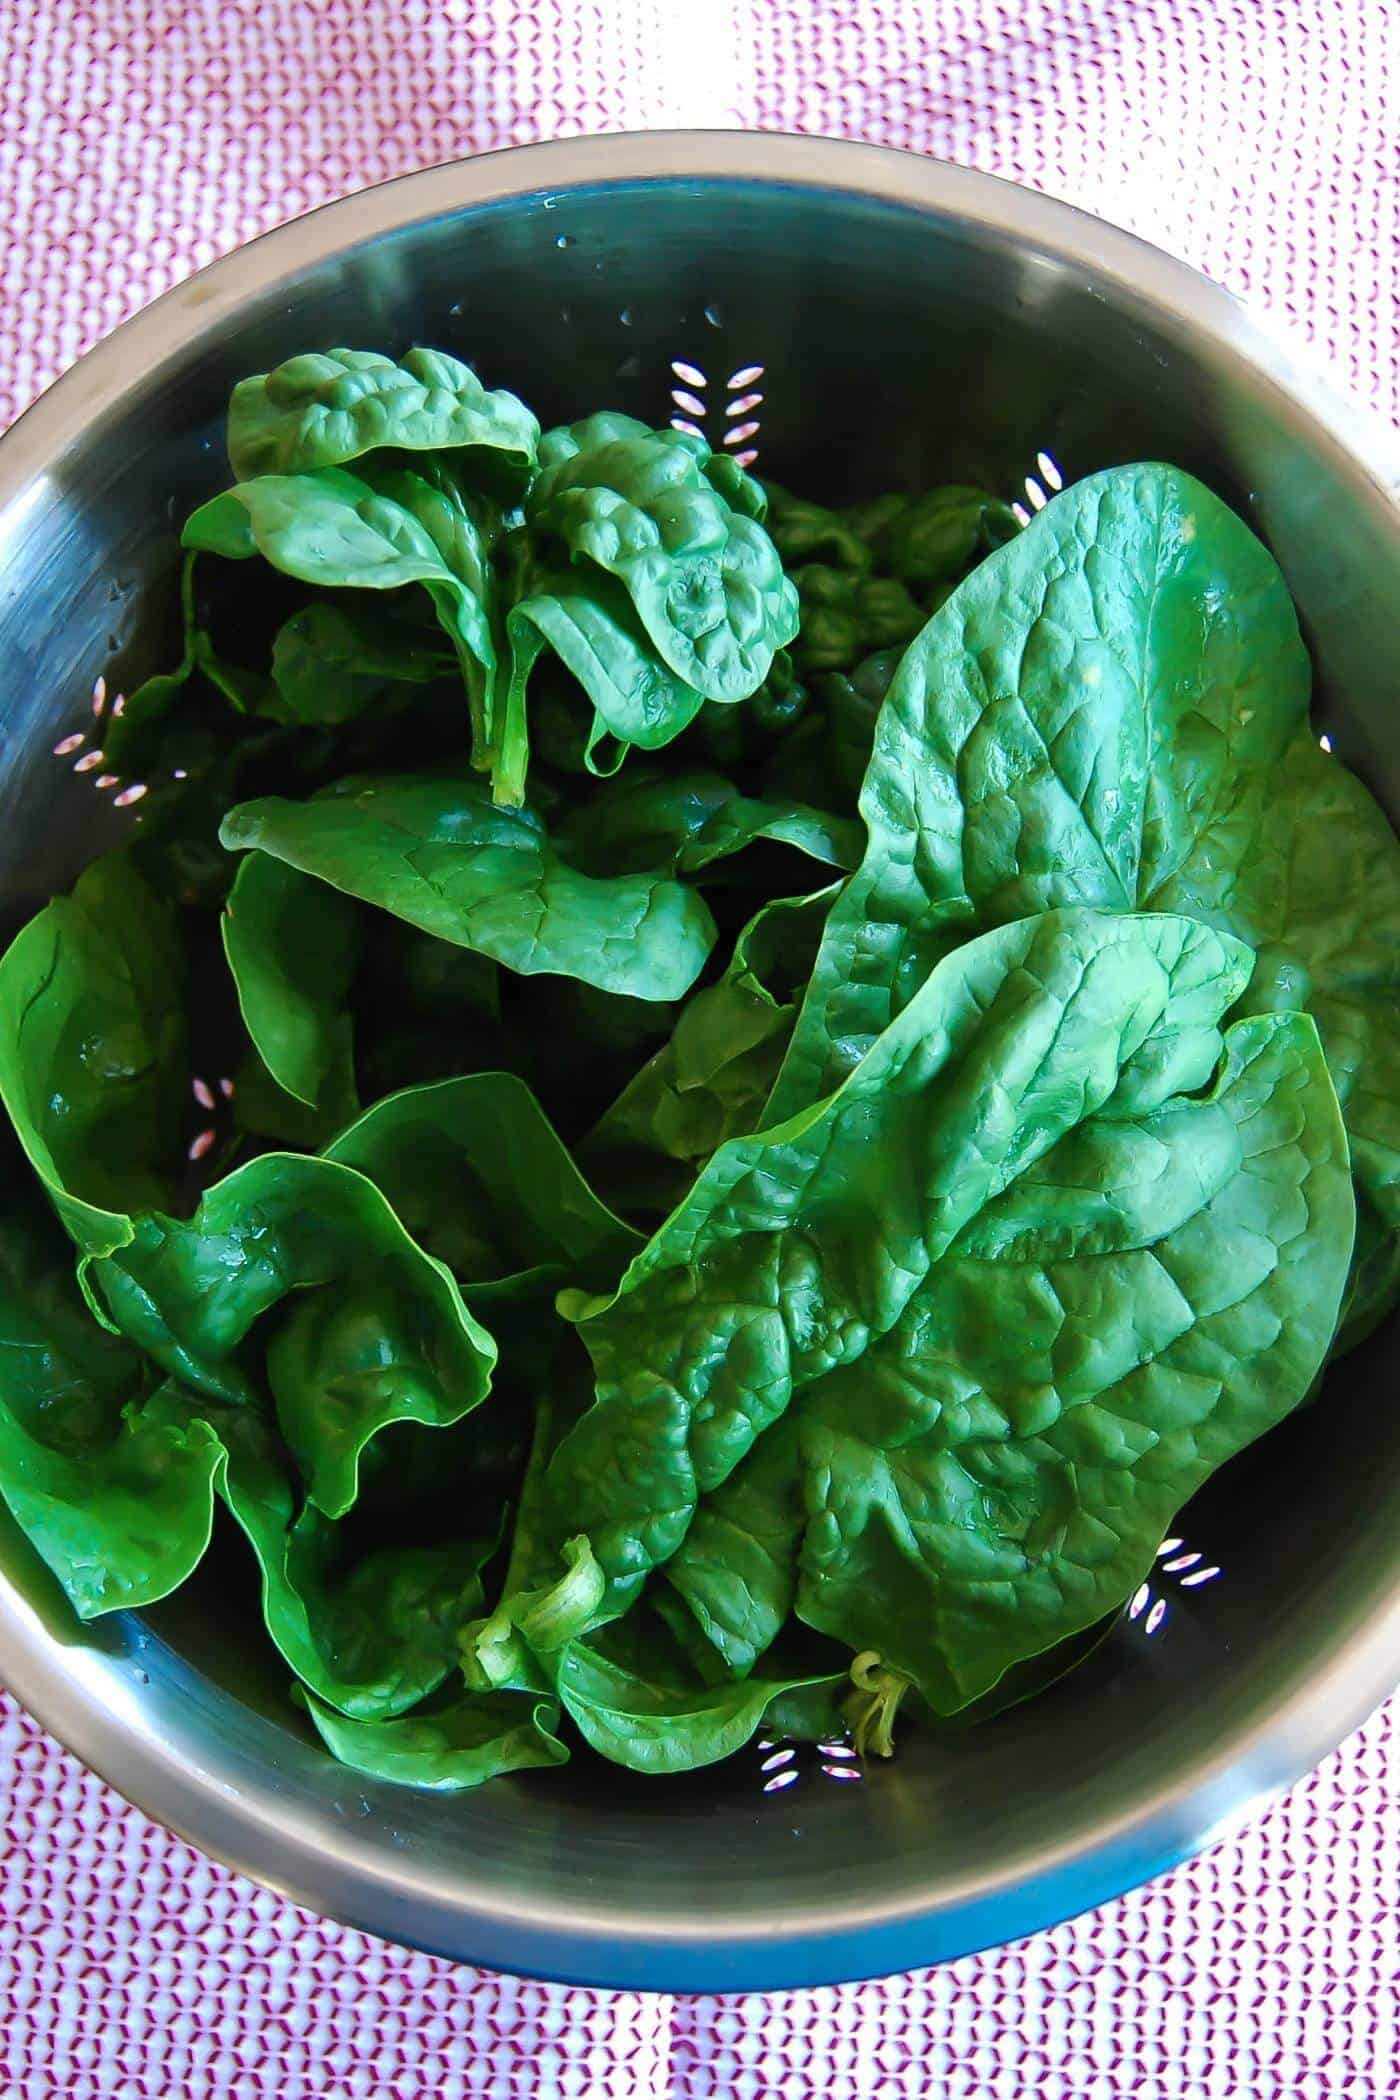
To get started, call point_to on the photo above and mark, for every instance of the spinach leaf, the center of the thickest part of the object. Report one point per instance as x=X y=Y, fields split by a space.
x=93 y=1049
x=709 y=1082
x=368 y=1329
x=1112 y=711
x=1060 y=734
x=433 y=850
x=632 y=1697
x=825 y=760
x=803 y=531
x=797 y=1249
x=114 y=1493
x=931 y=540
x=589 y=622
x=332 y=663
x=327 y=407
x=291 y=945
x=704 y=577
x=996 y=1473
x=690 y=820
x=845 y=617
x=374 y=531
x=474 y=1170
x=453 y=1745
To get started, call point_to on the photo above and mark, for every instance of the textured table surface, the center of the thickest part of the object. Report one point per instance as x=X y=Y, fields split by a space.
x=140 y=138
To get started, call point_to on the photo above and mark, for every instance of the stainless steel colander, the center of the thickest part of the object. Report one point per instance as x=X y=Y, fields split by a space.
x=858 y=319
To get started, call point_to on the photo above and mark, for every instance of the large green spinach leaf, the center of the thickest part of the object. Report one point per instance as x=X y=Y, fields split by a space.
x=434 y=850
x=798 y=1248
x=997 y=1471
x=1113 y=711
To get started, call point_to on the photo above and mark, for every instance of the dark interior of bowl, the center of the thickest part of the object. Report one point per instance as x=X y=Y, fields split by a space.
x=896 y=351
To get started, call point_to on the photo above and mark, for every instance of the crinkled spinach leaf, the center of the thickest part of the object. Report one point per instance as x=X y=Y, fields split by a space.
x=587 y=619
x=798 y=1248
x=704 y=576
x=996 y=1472
x=367 y=1329
x=326 y=407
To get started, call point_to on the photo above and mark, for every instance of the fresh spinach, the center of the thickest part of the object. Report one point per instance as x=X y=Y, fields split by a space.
x=434 y=850
x=323 y=409
x=997 y=1038
x=291 y=945
x=1113 y=711
x=799 y=1247
x=704 y=576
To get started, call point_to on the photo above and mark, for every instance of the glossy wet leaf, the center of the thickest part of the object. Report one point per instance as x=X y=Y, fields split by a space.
x=356 y=1327
x=326 y=407
x=704 y=577
x=798 y=1248
x=435 y=851
x=93 y=1049
x=292 y=945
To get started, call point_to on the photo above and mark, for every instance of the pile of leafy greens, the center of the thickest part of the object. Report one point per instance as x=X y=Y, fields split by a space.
x=803 y=1077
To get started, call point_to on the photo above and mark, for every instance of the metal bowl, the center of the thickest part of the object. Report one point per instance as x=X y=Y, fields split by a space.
x=915 y=323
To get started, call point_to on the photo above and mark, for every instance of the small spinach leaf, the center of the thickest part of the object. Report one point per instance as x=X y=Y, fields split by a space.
x=291 y=945
x=710 y=1081
x=704 y=577
x=450 y=1746
x=326 y=407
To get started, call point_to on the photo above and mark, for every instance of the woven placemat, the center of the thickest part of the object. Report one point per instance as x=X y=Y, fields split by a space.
x=140 y=138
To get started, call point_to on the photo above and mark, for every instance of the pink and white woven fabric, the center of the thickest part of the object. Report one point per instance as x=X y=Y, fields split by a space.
x=140 y=138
